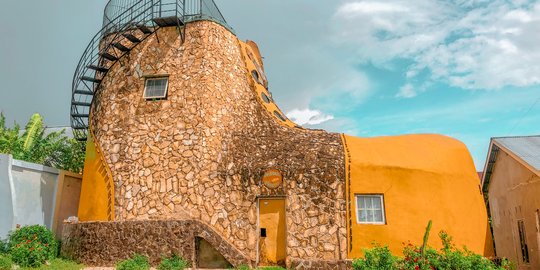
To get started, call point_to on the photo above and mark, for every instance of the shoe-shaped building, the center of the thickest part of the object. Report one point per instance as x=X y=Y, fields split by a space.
x=187 y=153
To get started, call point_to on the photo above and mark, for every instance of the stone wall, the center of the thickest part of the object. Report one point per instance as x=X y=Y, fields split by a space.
x=201 y=152
x=106 y=243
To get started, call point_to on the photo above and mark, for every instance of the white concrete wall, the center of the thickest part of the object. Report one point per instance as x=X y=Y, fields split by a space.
x=27 y=194
x=6 y=197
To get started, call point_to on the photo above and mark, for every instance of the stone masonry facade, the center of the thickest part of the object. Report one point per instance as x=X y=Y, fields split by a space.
x=106 y=243
x=200 y=153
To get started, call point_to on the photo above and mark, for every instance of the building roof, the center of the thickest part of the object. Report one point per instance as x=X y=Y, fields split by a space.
x=525 y=149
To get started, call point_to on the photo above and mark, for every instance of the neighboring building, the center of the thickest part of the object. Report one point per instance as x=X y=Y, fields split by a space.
x=33 y=194
x=512 y=184
x=188 y=153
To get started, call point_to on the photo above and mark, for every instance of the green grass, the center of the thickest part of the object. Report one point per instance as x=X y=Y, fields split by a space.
x=57 y=264
x=5 y=262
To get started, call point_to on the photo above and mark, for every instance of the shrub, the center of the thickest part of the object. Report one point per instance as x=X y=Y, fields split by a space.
x=375 y=259
x=3 y=246
x=5 y=262
x=31 y=246
x=173 y=263
x=137 y=262
x=427 y=258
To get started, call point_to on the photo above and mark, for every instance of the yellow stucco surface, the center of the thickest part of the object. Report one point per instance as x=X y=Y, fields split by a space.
x=422 y=178
x=253 y=60
x=272 y=218
x=97 y=192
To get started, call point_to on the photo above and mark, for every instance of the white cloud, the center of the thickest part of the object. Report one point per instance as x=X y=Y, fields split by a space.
x=407 y=91
x=472 y=44
x=354 y=8
x=308 y=116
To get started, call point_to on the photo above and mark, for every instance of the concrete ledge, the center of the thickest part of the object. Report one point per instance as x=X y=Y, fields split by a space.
x=34 y=166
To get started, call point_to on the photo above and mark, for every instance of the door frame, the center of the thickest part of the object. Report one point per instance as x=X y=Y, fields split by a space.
x=258 y=232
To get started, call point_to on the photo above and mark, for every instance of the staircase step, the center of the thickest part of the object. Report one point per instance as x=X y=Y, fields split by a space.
x=121 y=47
x=108 y=56
x=79 y=127
x=145 y=29
x=90 y=79
x=79 y=115
x=168 y=21
x=131 y=38
x=84 y=92
x=80 y=103
x=98 y=68
x=82 y=139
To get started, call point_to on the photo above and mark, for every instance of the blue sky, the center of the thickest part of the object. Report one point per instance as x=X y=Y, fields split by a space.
x=469 y=69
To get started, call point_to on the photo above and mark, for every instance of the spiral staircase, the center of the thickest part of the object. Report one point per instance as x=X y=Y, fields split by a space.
x=126 y=23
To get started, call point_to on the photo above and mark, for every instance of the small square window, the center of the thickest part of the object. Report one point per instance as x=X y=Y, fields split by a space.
x=156 y=87
x=370 y=209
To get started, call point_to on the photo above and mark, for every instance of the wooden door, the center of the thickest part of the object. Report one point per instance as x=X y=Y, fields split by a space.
x=272 y=231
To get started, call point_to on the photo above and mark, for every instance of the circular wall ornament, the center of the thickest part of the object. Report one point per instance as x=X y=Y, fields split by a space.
x=272 y=178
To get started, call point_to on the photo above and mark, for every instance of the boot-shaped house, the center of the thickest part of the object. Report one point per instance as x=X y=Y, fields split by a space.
x=188 y=154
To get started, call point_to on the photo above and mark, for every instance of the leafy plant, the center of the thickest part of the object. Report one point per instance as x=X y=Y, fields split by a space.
x=427 y=258
x=3 y=246
x=173 y=263
x=137 y=262
x=31 y=246
x=5 y=262
x=33 y=145
x=58 y=264
x=378 y=258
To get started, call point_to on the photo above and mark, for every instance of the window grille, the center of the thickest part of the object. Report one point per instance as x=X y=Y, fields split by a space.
x=370 y=209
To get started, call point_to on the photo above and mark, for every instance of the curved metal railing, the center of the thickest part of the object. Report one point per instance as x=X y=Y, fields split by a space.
x=126 y=23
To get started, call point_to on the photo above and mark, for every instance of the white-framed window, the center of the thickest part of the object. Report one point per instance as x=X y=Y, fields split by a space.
x=370 y=209
x=156 y=87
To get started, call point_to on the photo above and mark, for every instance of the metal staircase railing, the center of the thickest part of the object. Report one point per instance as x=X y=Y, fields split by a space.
x=126 y=23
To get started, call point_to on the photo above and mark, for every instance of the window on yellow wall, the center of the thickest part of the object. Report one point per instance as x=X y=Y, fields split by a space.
x=523 y=242
x=370 y=209
x=265 y=98
x=279 y=116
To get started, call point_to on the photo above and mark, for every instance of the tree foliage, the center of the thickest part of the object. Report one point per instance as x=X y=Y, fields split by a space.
x=53 y=149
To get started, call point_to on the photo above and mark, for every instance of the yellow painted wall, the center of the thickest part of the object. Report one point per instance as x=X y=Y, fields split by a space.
x=272 y=217
x=422 y=178
x=97 y=191
x=253 y=60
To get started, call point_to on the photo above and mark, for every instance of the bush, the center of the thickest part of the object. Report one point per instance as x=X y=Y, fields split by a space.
x=31 y=246
x=173 y=263
x=5 y=262
x=375 y=259
x=137 y=262
x=3 y=247
x=427 y=258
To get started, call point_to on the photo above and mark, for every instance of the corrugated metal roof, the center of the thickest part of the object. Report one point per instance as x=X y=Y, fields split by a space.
x=526 y=148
